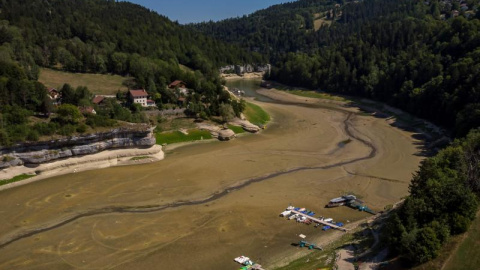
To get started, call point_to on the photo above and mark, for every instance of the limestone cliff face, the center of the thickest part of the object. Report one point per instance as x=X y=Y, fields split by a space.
x=37 y=153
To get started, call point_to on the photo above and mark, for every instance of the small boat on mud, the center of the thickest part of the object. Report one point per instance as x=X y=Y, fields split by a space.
x=341 y=201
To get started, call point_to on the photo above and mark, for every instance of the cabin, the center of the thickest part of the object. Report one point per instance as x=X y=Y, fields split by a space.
x=87 y=110
x=98 y=100
x=54 y=95
x=177 y=84
x=151 y=103
x=138 y=96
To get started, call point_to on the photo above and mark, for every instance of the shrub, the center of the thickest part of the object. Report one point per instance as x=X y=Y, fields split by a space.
x=33 y=135
x=82 y=128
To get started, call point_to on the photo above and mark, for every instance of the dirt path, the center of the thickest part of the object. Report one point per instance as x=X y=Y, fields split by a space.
x=345 y=259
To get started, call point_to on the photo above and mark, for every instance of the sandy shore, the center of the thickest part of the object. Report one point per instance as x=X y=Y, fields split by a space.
x=253 y=75
x=104 y=159
x=209 y=203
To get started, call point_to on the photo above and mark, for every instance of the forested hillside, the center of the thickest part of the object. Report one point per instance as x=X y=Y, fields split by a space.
x=100 y=36
x=407 y=58
x=417 y=56
x=272 y=31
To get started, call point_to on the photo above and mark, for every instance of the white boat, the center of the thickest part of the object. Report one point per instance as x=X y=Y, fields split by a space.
x=285 y=213
x=328 y=220
x=243 y=260
x=292 y=216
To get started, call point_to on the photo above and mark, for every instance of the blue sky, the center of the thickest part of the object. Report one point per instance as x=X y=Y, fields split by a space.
x=187 y=11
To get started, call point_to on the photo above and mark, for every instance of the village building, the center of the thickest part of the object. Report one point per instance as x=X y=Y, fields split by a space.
x=141 y=97
x=87 y=110
x=54 y=95
x=151 y=103
x=180 y=85
x=98 y=100
x=177 y=84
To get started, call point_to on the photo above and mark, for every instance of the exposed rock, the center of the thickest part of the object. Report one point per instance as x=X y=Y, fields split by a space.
x=226 y=135
x=42 y=152
x=213 y=129
x=9 y=161
x=246 y=125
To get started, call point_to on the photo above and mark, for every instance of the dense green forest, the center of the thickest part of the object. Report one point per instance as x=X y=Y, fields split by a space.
x=272 y=31
x=108 y=36
x=100 y=36
x=406 y=58
x=443 y=201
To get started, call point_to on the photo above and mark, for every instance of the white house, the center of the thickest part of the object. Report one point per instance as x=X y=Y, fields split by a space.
x=139 y=96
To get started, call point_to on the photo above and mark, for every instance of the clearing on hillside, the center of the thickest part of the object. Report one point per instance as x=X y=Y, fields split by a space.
x=96 y=83
x=318 y=23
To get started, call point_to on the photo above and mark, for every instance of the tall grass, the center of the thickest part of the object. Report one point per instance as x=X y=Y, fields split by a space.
x=177 y=136
x=256 y=115
x=15 y=179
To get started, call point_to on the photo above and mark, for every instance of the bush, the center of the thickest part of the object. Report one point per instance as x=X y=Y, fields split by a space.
x=46 y=129
x=4 y=138
x=33 y=135
x=100 y=121
x=67 y=130
x=82 y=128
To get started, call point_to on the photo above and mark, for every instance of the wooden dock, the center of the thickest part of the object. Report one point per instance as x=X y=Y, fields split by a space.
x=320 y=221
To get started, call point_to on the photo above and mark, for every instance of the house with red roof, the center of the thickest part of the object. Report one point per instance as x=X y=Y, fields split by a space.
x=177 y=84
x=140 y=97
x=98 y=100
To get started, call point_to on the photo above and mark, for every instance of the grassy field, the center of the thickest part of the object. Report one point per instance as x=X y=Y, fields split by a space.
x=319 y=259
x=318 y=23
x=236 y=129
x=313 y=94
x=177 y=136
x=175 y=124
x=96 y=83
x=15 y=179
x=256 y=115
x=467 y=256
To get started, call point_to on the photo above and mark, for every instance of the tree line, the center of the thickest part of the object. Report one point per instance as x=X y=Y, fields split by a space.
x=443 y=202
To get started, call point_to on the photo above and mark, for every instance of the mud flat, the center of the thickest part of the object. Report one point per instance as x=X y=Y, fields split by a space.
x=208 y=203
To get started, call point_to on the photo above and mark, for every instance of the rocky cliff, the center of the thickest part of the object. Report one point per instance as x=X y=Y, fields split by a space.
x=32 y=154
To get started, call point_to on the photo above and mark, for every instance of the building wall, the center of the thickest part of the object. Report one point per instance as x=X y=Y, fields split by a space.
x=141 y=101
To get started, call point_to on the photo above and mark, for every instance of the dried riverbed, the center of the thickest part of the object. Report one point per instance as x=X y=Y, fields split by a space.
x=207 y=203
